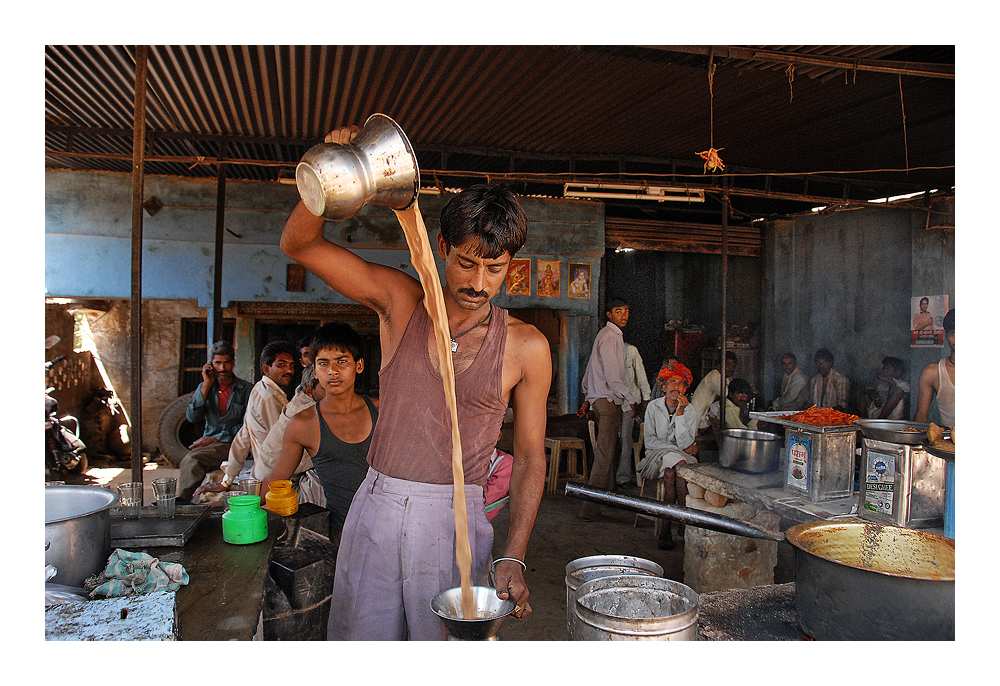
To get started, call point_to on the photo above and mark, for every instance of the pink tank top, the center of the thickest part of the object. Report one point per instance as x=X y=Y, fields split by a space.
x=412 y=439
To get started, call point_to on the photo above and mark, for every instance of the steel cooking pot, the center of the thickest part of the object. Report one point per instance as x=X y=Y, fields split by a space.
x=854 y=580
x=77 y=531
x=754 y=452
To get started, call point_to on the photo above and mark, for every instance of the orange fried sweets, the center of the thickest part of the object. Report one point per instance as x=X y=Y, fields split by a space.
x=821 y=416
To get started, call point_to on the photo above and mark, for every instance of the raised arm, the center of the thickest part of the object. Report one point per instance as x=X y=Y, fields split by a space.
x=391 y=293
x=372 y=285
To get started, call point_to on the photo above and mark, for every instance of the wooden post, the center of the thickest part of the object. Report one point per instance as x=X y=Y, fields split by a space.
x=725 y=288
x=135 y=304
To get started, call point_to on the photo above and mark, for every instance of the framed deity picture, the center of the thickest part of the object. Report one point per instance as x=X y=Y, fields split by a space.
x=579 y=280
x=519 y=277
x=549 y=273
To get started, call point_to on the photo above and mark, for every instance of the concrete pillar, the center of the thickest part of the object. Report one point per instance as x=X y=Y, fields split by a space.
x=715 y=561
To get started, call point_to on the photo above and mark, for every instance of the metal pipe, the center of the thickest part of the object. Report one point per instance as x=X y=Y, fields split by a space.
x=684 y=515
x=135 y=304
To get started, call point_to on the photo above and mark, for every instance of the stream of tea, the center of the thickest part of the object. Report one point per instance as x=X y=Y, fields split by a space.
x=423 y=260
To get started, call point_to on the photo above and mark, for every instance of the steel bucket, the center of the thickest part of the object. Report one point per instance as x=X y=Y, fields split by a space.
x=754 y=452
x=378 y=167
x=586 y=569
x=636 y=608
x=77 y=531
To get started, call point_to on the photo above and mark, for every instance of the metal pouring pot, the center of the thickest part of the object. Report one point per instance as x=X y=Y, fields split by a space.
x=378 y=167
x=854 y=580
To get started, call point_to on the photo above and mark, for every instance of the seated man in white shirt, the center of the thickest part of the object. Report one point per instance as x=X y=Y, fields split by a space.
x=267 y=400
x=794 y=386
x=670 y=431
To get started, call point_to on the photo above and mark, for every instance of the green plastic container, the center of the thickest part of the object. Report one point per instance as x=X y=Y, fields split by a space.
x=245 y=522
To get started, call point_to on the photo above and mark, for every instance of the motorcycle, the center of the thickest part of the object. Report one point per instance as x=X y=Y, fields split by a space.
x=64 y=451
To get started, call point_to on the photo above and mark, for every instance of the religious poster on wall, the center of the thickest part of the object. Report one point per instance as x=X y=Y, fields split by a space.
x=548 y=273
x=927 y=320
x=579 y=280
x=519 y=277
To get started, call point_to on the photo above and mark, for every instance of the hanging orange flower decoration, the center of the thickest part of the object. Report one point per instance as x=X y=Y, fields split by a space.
x=712 y=159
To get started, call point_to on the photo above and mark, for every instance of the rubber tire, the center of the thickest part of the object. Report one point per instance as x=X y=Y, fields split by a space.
x=175 y=433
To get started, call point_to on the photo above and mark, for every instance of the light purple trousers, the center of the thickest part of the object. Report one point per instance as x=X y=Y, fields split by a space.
x=398 y=552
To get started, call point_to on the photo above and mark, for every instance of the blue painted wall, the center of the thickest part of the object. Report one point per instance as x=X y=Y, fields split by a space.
x=88 y=244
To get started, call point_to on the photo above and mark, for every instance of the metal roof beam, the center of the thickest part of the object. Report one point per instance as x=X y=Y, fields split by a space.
x=934 y=71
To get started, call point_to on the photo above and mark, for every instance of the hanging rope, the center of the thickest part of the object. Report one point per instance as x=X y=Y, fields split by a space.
x=711 y=156
x=790 y=73
x=902 y=108
x=711 y=105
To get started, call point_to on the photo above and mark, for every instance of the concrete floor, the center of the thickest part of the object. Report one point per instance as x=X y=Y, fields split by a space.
x=559 y=537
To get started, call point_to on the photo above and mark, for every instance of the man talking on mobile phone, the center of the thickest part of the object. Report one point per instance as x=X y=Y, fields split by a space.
x=221 y=400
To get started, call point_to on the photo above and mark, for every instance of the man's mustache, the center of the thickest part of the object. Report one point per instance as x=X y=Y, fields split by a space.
x=473 y=293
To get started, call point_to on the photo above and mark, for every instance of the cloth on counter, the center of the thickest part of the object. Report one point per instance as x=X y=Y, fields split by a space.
x=131 y=573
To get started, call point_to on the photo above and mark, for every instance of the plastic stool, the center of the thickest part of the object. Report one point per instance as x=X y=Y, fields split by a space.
x=574 y=447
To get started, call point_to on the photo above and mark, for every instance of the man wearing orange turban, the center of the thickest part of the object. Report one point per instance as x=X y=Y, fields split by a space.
x=670 y=431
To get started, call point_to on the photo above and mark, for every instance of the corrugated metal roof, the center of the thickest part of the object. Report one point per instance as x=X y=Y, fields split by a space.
x=532 y=113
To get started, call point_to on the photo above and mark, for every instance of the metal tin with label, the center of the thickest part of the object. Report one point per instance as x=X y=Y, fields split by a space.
x=819 y=460
x=901 y=485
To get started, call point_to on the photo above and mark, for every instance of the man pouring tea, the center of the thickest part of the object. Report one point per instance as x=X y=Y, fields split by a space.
x=398 y=545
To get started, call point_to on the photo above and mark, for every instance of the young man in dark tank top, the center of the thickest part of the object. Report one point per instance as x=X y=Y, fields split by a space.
x=338 y=433
x=401 y=521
